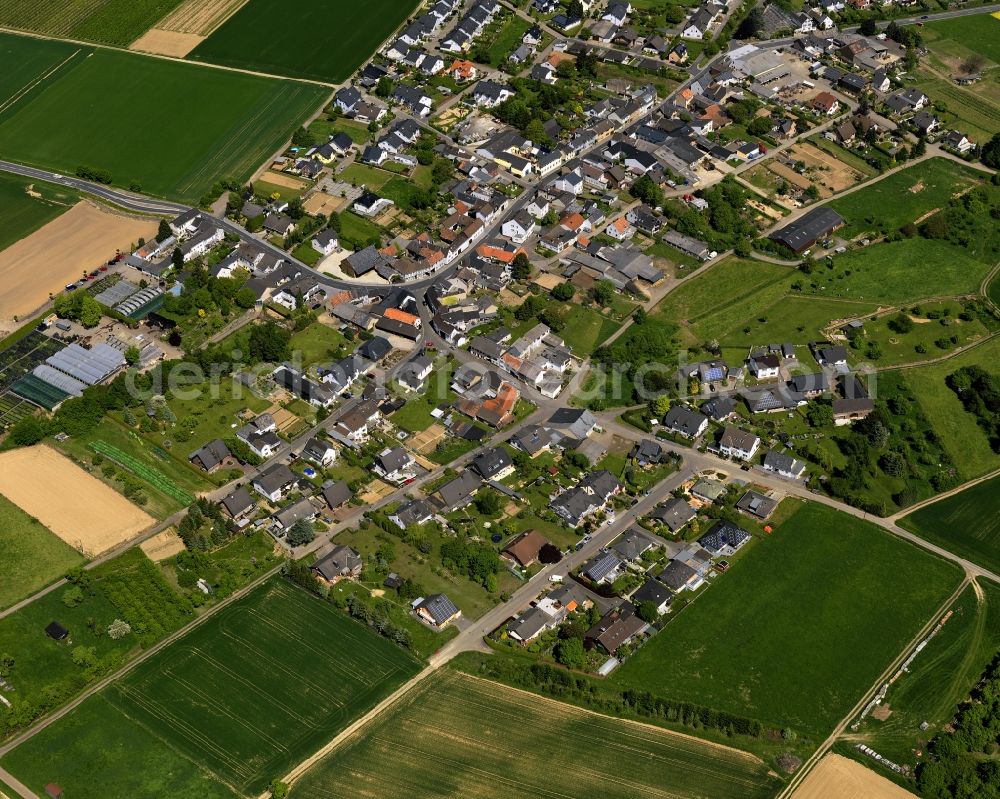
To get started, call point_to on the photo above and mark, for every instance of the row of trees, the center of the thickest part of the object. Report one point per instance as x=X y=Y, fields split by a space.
x=582 y=690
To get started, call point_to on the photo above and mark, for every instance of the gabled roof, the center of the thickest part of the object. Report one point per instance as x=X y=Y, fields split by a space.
x=438 y=607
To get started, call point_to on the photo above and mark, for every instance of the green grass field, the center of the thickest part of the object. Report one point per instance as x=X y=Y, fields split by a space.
x=87 y=114
x=456 y=735
x=967 y=523
x=24 y=214
x=33 y=556
x=900 y=348
x=244 y=696
x=268 y=36
x=941 y=676
x=979 y=33
x=116 y=22
x=798 y=630
x=956 y=429
x=900 y=271
x=904 y=196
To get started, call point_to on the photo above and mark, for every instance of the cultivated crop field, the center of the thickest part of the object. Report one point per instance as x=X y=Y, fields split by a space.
x=839 y=777
x=255 y=689
x=967 y=523
x=83 y=511
x=797 y=631
x=42 y=263
x=85 y=115
x=27 y=207
x=456 y=735
x=115 y=22
x=32 y=556
x=263 y=36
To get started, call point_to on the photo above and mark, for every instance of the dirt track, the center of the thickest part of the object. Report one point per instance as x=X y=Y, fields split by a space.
x=838 y=777
x=77 y=507
x=58 y=253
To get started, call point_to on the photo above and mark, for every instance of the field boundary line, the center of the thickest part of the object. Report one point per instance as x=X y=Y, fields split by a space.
x=161 y=57
x=11 y=101
x=896 y=517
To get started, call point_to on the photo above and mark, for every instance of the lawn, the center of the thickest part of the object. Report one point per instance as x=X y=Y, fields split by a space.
x=364 y=175
x=974 y=110
x=799 y=629
x=319 y=344
x=33 y=556
x=904 y=196
x=584 y=330
x=940 y=677
x=99 y=746
x=507 y=40
x=899 y=271
x=457 y=735
x=27 y=61
x=268 y=36
x=244 y=696
x=967 y=523
x=425 y=569
x=415 y=415
x=357 y=232
x=23 y=213
x=86 y=116
x=956 y=429
x=115 y=22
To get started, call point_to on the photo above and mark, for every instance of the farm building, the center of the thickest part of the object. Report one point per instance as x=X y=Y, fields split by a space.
x=805 y=231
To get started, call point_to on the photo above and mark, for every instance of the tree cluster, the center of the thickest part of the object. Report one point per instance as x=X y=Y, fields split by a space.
x=979 y=393
x=961 y=763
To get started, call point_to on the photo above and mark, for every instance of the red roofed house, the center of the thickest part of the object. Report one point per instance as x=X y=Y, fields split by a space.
x=825 y=103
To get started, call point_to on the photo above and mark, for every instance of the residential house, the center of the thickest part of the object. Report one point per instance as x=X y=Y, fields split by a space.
x=737 y=443
x=655 y=593
x=212 y=456
x=414 y=512
x=589 y=496
x=756 y=504
x=525 y=548
x=493 y=463
x=783 y=464
x=275 y=482
x=394 y=464
x=616 y=629
x=340 y=563
x=675 y=513
x=437 y=610
x=724 y=538
x=319 y=451
x=238 y=504
x=685 y=422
